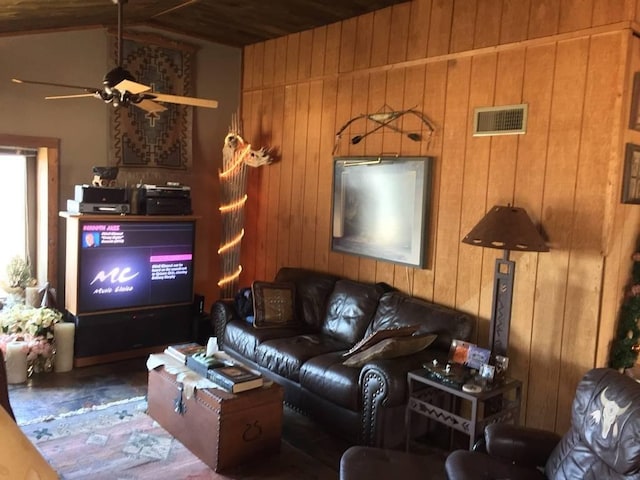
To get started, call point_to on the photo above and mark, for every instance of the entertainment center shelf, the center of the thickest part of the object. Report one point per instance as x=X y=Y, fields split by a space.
x=128 y=283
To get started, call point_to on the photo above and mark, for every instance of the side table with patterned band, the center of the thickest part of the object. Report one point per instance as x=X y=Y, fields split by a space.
x=498 y=402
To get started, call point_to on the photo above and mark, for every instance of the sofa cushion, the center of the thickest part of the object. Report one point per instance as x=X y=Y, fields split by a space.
x=241 y=337
x=350 y=309
x=285 y=356
x=273 y=304
x=312 y=292
x=327 y=377
x=391 y=348
x=397 y=309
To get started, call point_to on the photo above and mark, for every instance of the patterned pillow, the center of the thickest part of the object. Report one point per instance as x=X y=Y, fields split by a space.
x=391 y=348
x=273 y=304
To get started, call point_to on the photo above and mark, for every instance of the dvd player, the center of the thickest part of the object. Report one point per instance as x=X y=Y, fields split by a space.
x=75 y=206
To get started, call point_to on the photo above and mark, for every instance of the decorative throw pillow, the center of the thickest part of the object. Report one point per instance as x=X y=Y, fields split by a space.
x=391 y=348
x=380 y=335
x=273 y=304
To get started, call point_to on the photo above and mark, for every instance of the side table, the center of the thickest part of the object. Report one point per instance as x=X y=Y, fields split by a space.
x=441 y=403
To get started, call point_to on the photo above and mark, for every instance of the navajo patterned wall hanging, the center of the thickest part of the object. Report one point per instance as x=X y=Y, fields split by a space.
x=145 y=139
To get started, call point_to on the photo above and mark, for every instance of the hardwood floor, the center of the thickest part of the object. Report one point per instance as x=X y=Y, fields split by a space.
x=51 y=394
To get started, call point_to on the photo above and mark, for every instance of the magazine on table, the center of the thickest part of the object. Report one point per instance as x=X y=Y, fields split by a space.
x=181 y=351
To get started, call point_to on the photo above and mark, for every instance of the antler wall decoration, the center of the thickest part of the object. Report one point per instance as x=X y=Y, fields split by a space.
x=382 y=119
x=237 y=155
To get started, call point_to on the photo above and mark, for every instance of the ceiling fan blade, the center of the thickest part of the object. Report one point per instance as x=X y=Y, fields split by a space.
x=50 y=84
x=150 y=106
x=131 y=87
x=78 y=95
x=195 y=102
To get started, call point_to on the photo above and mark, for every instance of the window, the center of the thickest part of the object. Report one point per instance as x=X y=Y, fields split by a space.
x=29 y=188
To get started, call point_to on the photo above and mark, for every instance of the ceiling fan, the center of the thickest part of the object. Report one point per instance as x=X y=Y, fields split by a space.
x=121 y=89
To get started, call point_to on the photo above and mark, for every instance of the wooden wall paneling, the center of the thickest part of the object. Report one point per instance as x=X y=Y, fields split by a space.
x=586 y=261
x=265 y=210
x=529 y=189
x=275 y=175
x=515 y=20
x=311 y=178
x=413 y=98
x=258 y=65
x=621 y=235
x=293 y=57
x=544 y=18
x=247 y=66
x=453 y=149
x=364 y=36
x=612 y=11
x=325 y=180
x=318 y=51
x=299 y=162
x=435 y=89
x=418 y=33
x=347 y=45
x=250 y=104
x=280 y=62
x=463 y=25
x=558 y=210
x=286 y=170
x=342 y=116
x=332 y=52
x=399 y=32
x=381 y=37
x=575 y=15
x=304 y=62
x=269 y=63
x=474 y=200
x=488 y=21
x=440 y=27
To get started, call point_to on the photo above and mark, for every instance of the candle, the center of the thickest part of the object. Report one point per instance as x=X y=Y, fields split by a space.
x=33 y=296
x=63 y=334
x=16 y=362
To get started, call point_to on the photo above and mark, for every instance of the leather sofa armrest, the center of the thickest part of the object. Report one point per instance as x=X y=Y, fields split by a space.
x=521 y=445
x=222 y=312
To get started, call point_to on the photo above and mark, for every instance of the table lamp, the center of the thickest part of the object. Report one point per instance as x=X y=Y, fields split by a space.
x=508 y=228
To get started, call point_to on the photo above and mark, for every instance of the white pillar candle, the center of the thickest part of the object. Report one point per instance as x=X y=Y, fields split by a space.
x=33 y=296
x=16 y=362
x=63 y=334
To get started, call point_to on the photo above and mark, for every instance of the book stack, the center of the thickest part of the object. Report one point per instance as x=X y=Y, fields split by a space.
x=183 y=350
x=235 y=378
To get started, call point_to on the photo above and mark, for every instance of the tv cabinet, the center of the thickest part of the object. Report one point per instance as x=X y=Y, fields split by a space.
x=116 y=334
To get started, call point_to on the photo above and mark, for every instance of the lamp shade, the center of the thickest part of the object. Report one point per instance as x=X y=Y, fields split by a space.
x=507 y=228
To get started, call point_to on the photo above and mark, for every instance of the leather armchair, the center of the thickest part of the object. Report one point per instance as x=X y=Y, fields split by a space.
x=602 y=442
x=4 y=389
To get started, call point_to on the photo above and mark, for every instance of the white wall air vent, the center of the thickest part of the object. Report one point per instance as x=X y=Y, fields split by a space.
x=502 y=120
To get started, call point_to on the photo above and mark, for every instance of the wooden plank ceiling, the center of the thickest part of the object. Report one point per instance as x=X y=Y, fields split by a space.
x=230 y=22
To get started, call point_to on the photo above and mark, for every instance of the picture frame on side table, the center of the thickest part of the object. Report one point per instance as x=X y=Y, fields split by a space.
x=634 y=114
x=631 y=175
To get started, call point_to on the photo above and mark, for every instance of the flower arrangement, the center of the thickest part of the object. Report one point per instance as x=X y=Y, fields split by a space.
x=33 y=326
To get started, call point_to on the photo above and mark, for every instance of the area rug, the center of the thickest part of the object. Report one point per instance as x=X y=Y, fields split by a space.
x=119 y=441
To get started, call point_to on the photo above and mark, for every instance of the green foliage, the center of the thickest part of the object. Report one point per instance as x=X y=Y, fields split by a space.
x=623 y=355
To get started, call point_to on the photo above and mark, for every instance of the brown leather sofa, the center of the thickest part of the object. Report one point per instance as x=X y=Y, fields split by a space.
x=602 y=443
x=366 y=404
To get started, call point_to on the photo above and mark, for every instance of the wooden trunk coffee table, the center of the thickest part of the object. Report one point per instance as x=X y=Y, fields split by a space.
x=221 y=428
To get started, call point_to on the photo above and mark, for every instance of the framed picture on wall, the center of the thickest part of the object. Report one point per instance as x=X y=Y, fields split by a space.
x=631 y=176
x=380 y=207
x=634 y=115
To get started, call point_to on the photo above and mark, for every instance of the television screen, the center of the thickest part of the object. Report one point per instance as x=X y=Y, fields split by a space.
x=134 y=264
